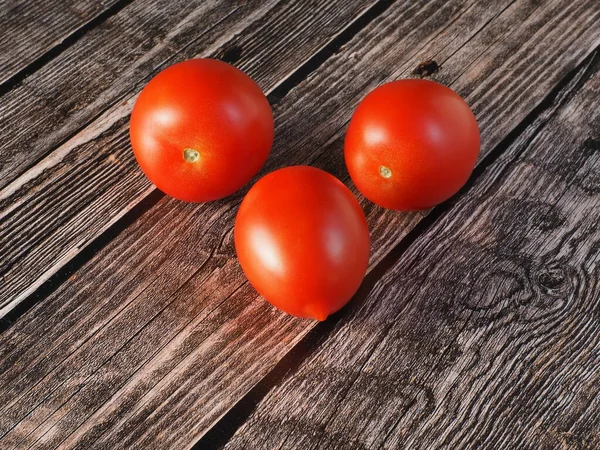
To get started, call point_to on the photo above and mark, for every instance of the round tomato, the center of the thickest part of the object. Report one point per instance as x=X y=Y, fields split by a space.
x=201 y=129
x=302 y=240
x=411 y=144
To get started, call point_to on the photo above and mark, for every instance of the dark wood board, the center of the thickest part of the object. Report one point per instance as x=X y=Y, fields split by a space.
x=485 y=333
x=114 y=58
x=32 y=29
x=91 y=180
x=100 y=157
x=157 y=352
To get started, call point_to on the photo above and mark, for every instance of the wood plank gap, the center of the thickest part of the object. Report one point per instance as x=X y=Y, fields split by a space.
x=330 y=49
x=55 y=51
x=86 y=253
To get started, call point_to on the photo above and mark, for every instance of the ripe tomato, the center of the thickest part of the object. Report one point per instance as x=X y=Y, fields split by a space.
x=302 y=239
x=201 y=129
x=411 y=144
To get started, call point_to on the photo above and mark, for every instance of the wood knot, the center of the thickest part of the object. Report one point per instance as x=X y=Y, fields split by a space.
x=230 y=54
x=553 y=280
x=592 y=144
x=550 y=220
x=426 y=68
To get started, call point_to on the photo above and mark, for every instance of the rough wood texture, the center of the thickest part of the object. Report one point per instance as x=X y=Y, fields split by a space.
x=61 y=204
x=115 y=58
x=485 y=334
x=31 y=28
x=157 y=352
x=98 y=164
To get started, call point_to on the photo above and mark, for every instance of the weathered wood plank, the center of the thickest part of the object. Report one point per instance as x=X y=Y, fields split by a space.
x=143 y=339
x=32 y=28
x=60 y=342
x=485 y=334
x=112 y=60
x=33 y=253
x=74 y=194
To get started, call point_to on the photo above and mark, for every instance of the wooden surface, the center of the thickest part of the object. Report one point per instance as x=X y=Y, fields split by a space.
x=129 y=324
x=34 y=31
x=92 y=178
x=485 y=334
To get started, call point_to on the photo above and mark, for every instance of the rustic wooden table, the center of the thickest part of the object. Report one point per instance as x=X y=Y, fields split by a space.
x=127 y=322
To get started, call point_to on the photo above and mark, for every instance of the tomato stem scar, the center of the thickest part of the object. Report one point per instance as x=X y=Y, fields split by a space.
x=385 y=172
x=191 y=155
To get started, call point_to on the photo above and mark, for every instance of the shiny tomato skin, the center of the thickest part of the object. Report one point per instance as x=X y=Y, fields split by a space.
x=411 y=144
x=302 y=240
x=208 y=107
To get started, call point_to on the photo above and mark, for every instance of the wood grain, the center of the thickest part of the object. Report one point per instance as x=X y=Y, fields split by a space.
x=89 y=182
x=485 y=334
x=112 y=60
x=157 y=336
x=124 y=296
x=30 y=29
x=108 y=183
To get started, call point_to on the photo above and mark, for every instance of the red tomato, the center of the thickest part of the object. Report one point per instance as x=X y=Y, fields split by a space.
x=201 y=129
x=411 y=144
x=302 y=239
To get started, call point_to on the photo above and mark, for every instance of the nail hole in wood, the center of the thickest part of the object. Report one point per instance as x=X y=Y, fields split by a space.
x=231 y=54
x=426 y=68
